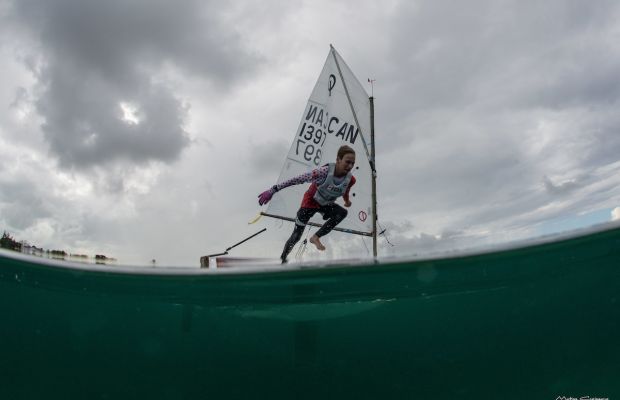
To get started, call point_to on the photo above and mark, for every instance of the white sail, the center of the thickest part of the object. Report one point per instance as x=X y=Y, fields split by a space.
x=337 y=113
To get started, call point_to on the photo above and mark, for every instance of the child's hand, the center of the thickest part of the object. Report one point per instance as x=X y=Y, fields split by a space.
x=264 y=197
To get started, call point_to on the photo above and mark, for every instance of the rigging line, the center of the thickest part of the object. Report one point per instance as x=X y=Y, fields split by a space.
x=346 y=91
x=365 y=245
x=383 y=232
x=301 y=249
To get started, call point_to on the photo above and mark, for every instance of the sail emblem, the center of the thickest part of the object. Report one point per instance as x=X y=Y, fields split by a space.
x=362 y=216
x=332 y=83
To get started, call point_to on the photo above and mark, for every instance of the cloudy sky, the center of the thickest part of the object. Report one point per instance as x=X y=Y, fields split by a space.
x=145 y=129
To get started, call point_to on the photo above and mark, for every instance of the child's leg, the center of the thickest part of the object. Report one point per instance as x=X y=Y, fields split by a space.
x=334 y=214
x=303 y=216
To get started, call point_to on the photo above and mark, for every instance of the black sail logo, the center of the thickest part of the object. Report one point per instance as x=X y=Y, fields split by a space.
x=332 y=83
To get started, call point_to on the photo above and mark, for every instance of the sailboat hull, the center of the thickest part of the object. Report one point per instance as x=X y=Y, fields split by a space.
x=539 y=321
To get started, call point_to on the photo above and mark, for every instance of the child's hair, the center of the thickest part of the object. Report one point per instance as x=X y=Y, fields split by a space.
x=344 y=150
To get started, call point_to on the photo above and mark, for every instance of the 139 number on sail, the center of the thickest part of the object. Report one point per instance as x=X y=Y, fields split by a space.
x=309 y=143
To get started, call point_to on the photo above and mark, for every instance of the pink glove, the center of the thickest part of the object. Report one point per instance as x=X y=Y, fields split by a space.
x=264 y=197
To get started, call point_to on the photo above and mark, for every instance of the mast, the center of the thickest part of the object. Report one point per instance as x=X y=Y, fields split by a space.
x=374 y=176
x=371 y=156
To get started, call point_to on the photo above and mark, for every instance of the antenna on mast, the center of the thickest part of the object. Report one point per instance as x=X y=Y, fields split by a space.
x=372 y=87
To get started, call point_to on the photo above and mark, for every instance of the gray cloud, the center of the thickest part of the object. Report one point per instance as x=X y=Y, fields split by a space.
x=456 y=56
x=501 y=55
x=21 y=204
x=560 y=188
x=98 y=55
x=476 y=104
x=268 y=156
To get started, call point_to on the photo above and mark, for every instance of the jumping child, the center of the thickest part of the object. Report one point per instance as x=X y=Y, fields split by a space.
x=328 y=183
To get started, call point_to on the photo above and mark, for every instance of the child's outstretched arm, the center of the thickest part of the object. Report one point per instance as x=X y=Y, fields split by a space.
x=316 y=175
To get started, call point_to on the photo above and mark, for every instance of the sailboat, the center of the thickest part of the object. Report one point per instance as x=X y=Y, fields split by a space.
x=338 y=112
x=460 y=325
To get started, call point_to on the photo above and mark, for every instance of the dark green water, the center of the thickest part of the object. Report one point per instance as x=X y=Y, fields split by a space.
x=532 y=323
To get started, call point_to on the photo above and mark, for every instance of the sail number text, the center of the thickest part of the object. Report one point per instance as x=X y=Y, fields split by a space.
x=314 y=130
x=309 y=143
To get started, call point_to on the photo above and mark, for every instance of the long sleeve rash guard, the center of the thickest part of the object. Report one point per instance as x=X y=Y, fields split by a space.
x=316 y=177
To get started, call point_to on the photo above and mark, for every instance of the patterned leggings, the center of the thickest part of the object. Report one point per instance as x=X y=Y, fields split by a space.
x=333 y=213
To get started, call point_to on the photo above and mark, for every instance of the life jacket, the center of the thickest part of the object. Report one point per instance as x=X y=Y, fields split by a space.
x=328 y=191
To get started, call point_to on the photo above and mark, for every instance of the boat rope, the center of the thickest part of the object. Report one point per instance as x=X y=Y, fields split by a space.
x=366 y=246
x=303 y=246
x=301 y=249
x=383 y=232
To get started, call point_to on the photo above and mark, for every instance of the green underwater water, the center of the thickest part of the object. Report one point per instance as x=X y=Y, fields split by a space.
x=530 y=323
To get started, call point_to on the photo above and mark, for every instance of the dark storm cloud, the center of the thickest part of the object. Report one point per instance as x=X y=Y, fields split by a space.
x=97 y=55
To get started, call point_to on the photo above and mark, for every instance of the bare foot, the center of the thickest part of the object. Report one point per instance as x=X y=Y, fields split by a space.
x=317 y=242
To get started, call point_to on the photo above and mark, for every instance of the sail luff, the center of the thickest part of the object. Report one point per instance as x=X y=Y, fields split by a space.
x=371 y=156
x=346 y=91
